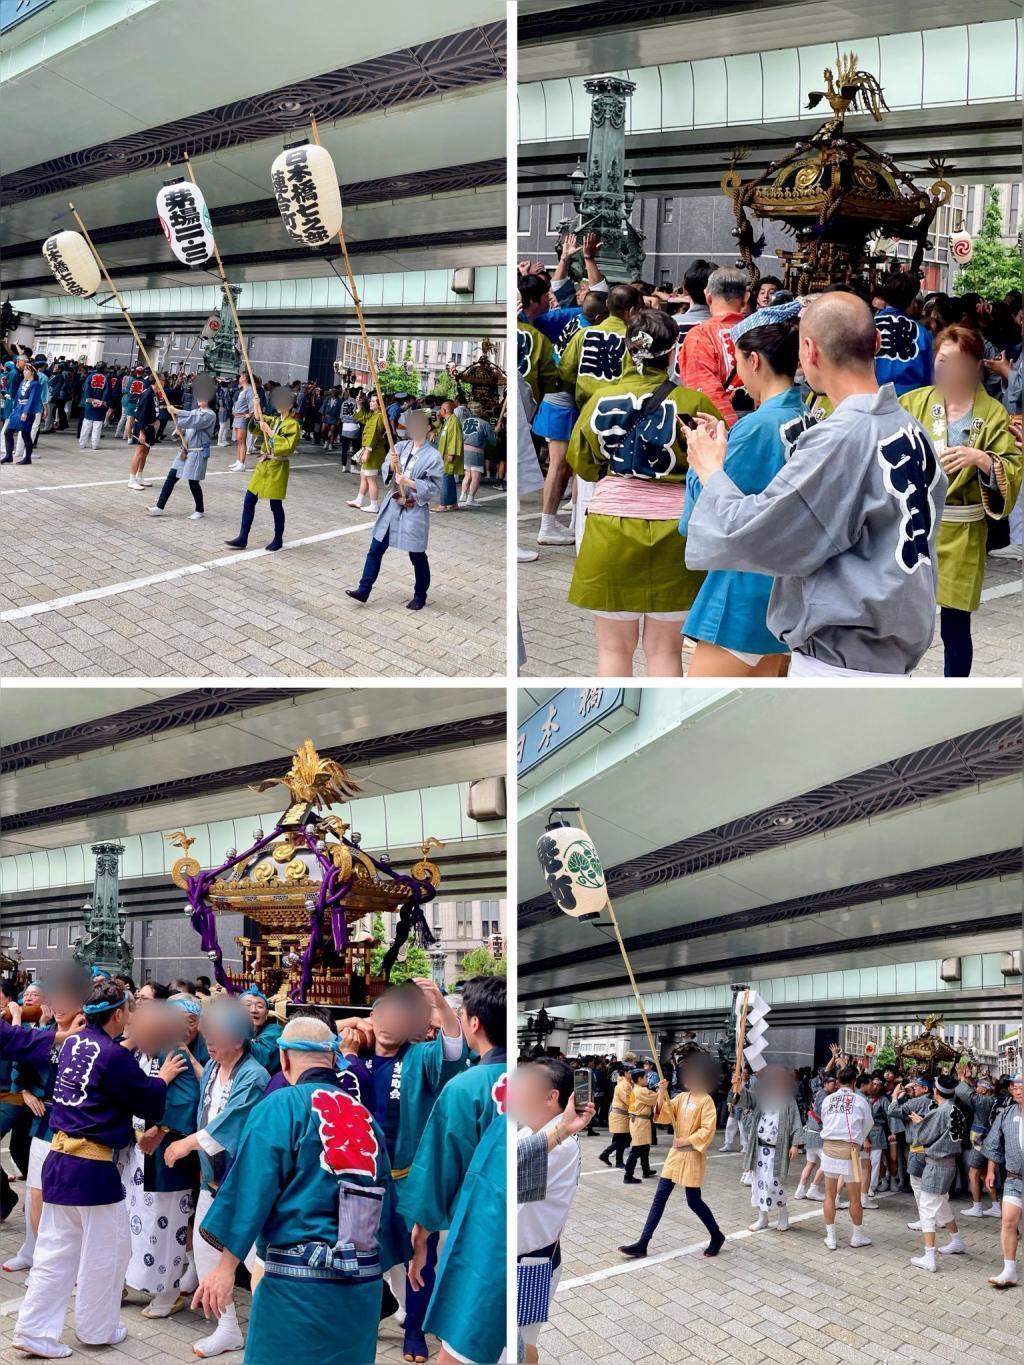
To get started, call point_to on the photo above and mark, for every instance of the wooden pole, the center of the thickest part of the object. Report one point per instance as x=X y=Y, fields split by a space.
x=741 y=1036
x=127 y=317
x=632 y=978
x=362 y=326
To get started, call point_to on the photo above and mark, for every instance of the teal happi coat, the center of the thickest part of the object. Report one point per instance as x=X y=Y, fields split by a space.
x=264 y=1046
x=302 y=1148
x=179 y=1119
x=458 y=1182
x=247 y=1084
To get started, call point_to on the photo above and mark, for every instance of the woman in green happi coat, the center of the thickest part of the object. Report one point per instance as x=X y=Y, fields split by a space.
x=370 y=457
x=971 y=433
x=630 y=439
x=280 y=436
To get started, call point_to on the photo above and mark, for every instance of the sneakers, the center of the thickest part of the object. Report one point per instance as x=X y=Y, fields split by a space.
x=357 y=501
x=233 y=468
x=914 y=1227
x=197 y=516
x=557 y=535
x=858 y=1239
x=155 y=511
x=925 y=1262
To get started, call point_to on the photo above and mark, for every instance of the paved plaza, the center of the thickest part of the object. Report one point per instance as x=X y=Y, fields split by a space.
x=90 y=586
x=768 y=1296
x=560 y=638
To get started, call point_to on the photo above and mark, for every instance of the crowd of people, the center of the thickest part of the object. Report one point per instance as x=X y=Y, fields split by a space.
x=176 y=1141
x=442 y=449
x=790 y=485
x=846 y=1131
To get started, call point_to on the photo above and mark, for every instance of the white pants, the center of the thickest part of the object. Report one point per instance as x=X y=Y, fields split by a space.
x=92 y=430
x=206 y=1257
x=915 y=1186
x=876 y=1166
x=732 y=1131
x=39 y=1150
x=90 y=1244
x=803 y=666
x=934 y=1209
x=224 y=432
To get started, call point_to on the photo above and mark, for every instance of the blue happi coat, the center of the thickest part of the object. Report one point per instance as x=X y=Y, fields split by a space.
x=246 y=1085
x=409 y=527
x=731 y=606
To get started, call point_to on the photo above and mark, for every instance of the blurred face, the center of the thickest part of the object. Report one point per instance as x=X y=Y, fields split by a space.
x=149 y=1027
x=397 y=1021
x=417 y=424
x=145 y=992
x=956 y=373
x=532 y=1100
x=774 y=1085
x=257 y=1009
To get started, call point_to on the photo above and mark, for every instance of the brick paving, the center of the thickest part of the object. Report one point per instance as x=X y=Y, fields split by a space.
x=166 y=1341
x=267 y=615
x=560 y=638
x=768 y=1296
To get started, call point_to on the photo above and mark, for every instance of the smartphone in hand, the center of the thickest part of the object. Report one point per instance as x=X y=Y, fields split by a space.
x=581 y=1089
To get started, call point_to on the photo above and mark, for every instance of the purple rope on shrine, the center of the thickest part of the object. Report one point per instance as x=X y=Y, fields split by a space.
x=202 y=917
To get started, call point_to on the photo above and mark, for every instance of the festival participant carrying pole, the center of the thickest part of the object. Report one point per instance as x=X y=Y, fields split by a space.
x=128 y=318
x=309 y=200
x=576 y=880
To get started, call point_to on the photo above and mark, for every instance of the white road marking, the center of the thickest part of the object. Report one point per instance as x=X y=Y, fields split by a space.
x=186 y=570
x=613 y=1271
x=107 y=483
x=11 y=1306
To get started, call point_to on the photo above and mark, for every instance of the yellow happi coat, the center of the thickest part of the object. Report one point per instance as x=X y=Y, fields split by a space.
x=692 y=1116
x=962 y=544
x=642 y=1104
x=618 y=1112
x=449 y=443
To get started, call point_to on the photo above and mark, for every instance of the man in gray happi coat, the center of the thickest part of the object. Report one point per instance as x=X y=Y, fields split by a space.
x=403 y=522
x=939 y=1135
x=1002 y=1147
x=847 y=527
x=912 y=1097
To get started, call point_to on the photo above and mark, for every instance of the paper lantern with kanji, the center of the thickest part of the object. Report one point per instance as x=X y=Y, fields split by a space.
x=185 y=219
x=73 y=264
x=573 y=871
x=306 y=186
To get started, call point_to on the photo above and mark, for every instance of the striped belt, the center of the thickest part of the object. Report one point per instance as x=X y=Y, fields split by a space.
x=971 y=511
x=83 y=1147
x=319 y=1261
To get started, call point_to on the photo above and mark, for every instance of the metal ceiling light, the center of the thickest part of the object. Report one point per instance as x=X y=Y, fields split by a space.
x=578 y=182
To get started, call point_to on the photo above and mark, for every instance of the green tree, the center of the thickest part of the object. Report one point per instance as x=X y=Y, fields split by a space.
x=887 y=1052
x=447 y=386
x=392 y=376
x=481 y=962
x=995 y=268
x=413 y=962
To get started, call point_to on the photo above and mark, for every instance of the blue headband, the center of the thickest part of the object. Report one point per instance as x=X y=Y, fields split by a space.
x=189 y=1006
x=98 y=971
x=765 y=317
x=308 y=1045
x=103 y=1006
x=255 y=990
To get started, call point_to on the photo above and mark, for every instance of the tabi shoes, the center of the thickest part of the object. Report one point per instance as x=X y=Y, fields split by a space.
x=631 y=1180
x=954 y=1247
x=226 y=1338
x=237 y=544
x=716 y=1244
x=371 y=507
x=357 y=595
x=196 y=516
x=416 y=604
x=975 y=1211
x=357 y=502
x=233 y=468
x=275 y=544
x=859 y=1239
x=155 y=511
x=800 y=1192
x=994 y=1211
x=524 y=556
x=830 y=1238
x=782 y=1222
x=163 y=1305
x=760 y=1222
x=925 y=1262
x=44 y=1347
x=557 y=535
x=414 y=1347
x=814 y=1192
x=636 y=1250
x=914 y=1227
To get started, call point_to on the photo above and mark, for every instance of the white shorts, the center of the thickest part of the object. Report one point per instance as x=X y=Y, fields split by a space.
x=934 y=1210
x=803 y=666
x=37 y=1154
x=834 y=1165
x=676 y=616
x=813 y=1155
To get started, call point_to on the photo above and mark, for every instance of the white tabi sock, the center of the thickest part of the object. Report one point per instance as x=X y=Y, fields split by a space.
x=762 y=1222
x=782 y=1222
x=41 y=1346
x=995 y=1211
x=830 y=1236
x=190 y=1280
x=1009 y=1271
x=926 y=1261
x=227 y=1337
x=974 y=1211
x=954 y=1247
x=800 y=1193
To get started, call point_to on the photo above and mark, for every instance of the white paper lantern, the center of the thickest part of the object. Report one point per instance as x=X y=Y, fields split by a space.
x=573 y=871
x=185 y=219
x=73 y=264
x=961 y=247
x=306 y=185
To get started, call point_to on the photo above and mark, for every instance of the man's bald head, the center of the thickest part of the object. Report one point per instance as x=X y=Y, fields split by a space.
x=842 y=328
x=595 y=308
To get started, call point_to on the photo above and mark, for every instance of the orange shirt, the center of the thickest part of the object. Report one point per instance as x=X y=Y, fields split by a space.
x=707 y=360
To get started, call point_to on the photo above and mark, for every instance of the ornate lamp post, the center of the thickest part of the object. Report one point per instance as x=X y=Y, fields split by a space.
x=223 y=356
x=603 y=192
x=104 y=944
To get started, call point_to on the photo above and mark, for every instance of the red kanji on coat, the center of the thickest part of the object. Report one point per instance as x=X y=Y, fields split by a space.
x=498 y=1092
x=346 y=1134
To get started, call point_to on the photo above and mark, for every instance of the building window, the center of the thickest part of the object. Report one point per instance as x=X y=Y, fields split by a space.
x=147 y=928
x=72 y=934
x=33 y=938
x=1014 y=216
x=667 y=210
x=554 y=218
x=523 y=219
x=51 y=936
x=666 y=277
x=463 y=919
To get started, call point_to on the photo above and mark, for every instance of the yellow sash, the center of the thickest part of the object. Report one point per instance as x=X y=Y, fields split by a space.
x=72 y=1146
